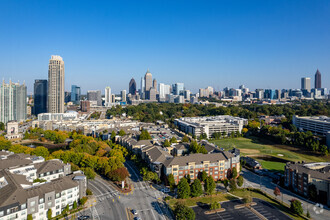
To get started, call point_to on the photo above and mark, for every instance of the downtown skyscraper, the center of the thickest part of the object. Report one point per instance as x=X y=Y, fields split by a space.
x=306 y=83
x=12 y=102
x=318 y=82
x=56 y=85
x=40 y=96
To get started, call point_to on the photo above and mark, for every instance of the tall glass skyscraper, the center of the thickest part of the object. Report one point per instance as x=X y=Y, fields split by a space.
x=318 y=82
x=12 y=102
x=40 y=96
x=75 y=94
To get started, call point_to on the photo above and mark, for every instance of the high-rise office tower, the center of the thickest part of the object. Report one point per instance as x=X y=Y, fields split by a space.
x=107 y=94
x=56 y=85
x=178 y=89
x=123 y=96
x=75 y=94
x=67 y=96
x=12 y=102
x=95 y=95
x=132 y=87
x=154 y=84
x=40 y=96
x=147 y=81
x=318 y=81
x=306 y=83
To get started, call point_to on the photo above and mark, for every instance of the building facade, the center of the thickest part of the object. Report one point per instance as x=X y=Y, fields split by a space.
x=95 y=95
x=75 y=94
x=40 y=96
x=306 y=83
x=13 y=103
x=209 y=125
x=132 y=87
x=56 y=85
x=300 y=176
x=21 y=196
x=319 y=125
x=318 y=82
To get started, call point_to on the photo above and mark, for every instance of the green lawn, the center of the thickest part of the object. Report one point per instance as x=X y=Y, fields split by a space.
x=255 y=146
x=271 y=165
x=204 y=199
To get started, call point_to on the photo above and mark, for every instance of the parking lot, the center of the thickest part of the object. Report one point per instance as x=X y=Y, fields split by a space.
x=262 y=207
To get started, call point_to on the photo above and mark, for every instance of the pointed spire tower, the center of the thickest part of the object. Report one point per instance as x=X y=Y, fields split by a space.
x=318 y=82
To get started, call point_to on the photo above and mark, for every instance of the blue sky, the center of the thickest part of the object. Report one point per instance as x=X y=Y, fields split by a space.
x=261 y=44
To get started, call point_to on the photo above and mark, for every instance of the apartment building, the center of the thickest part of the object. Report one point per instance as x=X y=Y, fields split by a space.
x=319 y=125
x=22 y=193
x=209 y=125
x=218 y=165
x=299 y=176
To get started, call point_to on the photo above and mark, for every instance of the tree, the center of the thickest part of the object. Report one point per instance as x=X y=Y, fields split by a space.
x=185 y=139
x=296 y=207
x=247 y=198
x=196 y=188
x=209 y=185
x=225 y=183
x=240 y=181
x=173 y=140
x=232 y=185
x=183 y=212
x=277 y=191
x=171 y=181
x=234 y=173
x=113 y=136
x=167 y=143
x=203 y=176
x=203 y=136
x=75 y=205
x=119 y=174
x=83 y=200
x=89 y=172
x=41 y=151
x=29 y=217
x=183 y=189
x=2 y=126
x=144 y=135
x=121 y=132
x=89 y=192
x=215 y=205
x=324 y=150
x=49 y=213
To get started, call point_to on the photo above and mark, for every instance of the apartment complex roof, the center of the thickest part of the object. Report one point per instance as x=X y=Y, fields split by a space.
x=196 y=158
x=315 y=170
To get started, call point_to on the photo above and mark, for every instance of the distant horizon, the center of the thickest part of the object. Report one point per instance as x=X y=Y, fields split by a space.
x=257 y=43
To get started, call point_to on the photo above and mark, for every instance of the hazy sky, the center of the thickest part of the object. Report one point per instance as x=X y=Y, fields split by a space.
x=261 y=44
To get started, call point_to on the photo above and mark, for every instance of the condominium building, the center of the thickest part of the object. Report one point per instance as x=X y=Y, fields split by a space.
x=56 y=85
x=209 y=125
x=95 y=95
x=218 y=165
x=301 y=176
x=12 y=102
x=319 y=125
x=107 y=95
x=21 y=195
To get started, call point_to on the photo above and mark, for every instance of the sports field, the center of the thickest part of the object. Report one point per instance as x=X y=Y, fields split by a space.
x=254 y=146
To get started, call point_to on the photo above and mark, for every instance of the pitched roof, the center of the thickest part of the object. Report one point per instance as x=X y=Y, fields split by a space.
x=48 y=166
x=197 y=158
x=156 y=154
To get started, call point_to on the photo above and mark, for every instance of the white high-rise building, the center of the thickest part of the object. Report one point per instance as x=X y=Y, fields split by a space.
x=56 y=85
x=13 y=100
x=164 y=90
x=107 y=93
x=123 y=95
x=148 y=81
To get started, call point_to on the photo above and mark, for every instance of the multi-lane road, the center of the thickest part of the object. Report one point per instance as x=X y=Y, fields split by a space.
x=110 y=204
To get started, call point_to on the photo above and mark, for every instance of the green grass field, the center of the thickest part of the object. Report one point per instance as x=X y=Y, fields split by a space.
x=254 y=146
x=272 y=165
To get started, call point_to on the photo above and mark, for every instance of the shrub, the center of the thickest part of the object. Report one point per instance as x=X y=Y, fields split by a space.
x=215 y=205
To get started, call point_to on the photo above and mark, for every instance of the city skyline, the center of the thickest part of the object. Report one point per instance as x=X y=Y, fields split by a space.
x=231 y=43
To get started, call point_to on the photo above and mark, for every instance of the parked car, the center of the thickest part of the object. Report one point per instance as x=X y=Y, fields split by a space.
x=134 y=211
x=137 y=218
x=165 y=190
x=83 y=217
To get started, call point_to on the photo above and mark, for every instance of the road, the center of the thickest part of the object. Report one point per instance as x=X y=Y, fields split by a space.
x=144 y=198
x=265 y=184
x=109 y=205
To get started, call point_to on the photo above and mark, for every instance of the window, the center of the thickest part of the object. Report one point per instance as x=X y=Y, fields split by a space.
x=58 y=206
x=1 y=213
x=49 y=198
x=41 y=200
x=23 y=206
x=32 y=203
x=217 y=168
x=57 y=195
x=41 y=175
x=49 y=203
x=41 y=206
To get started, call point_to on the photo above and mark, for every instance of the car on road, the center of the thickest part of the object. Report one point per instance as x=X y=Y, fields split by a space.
x=137 y=218
x=83 y=217
x=134 y=211
x=165 y=190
